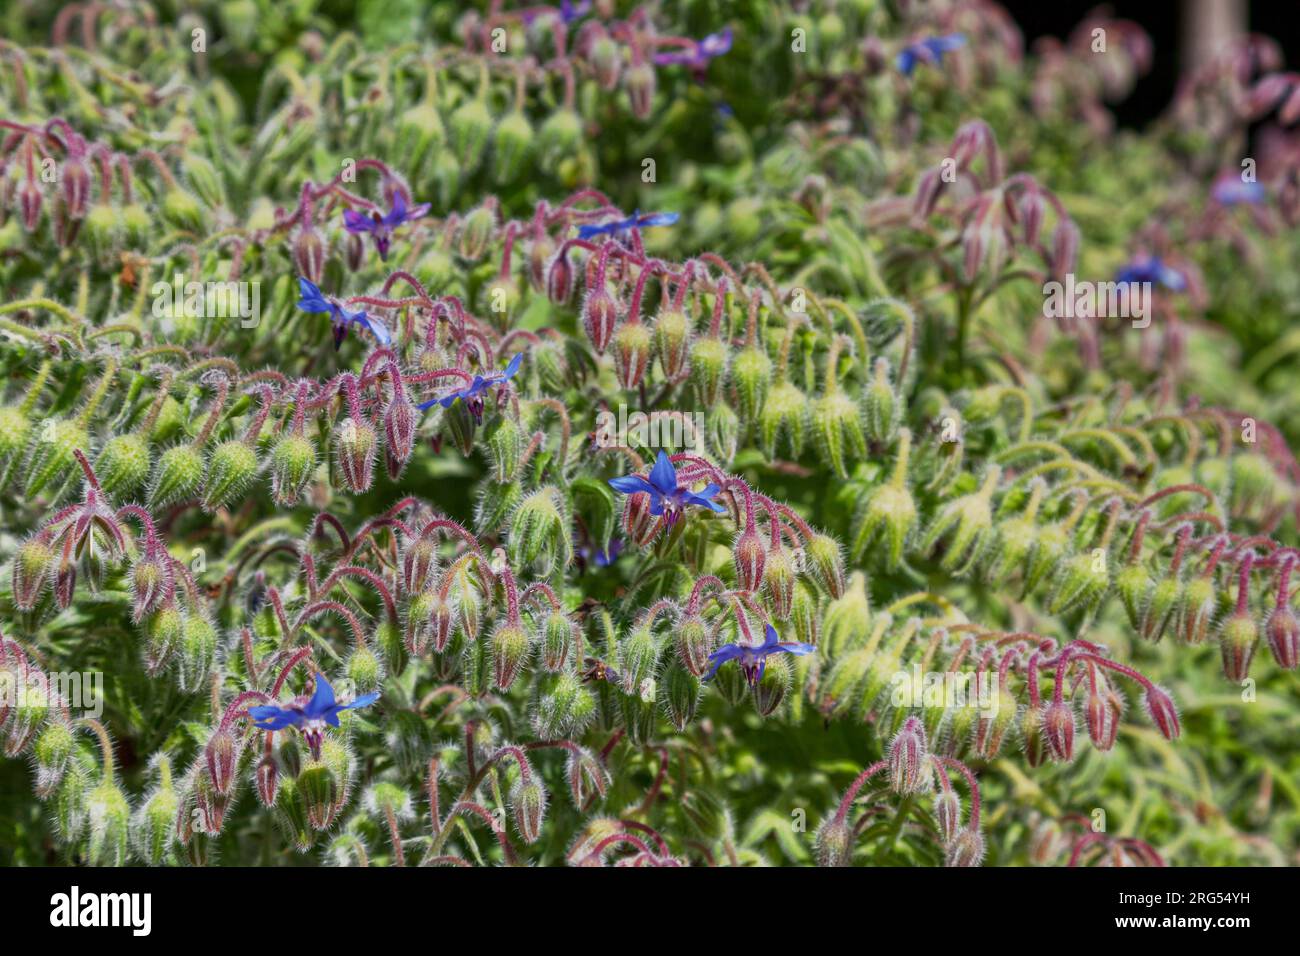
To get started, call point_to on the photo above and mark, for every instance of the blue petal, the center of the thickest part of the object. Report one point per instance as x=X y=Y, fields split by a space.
x=663 y=475
x=770 y=637
x=365 y=700
x=591 y=232
x=1171 y=278
x=513 y=367
x=631 y=484
x=322 y=700
x=906 y=62
x=377 y=329
x=792 y=647
x=657 y=219
x=728 y=652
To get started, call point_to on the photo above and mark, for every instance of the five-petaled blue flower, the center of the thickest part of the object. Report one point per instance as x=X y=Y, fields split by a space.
x=929 y=50
x=313 y=300
x=752 y=660
x=1231 y=190
x=700 y=53
x=665 y=497
x=472 y=394
x=381 y=227
x=1148 y=268
x=634 y=221
x=310 y=718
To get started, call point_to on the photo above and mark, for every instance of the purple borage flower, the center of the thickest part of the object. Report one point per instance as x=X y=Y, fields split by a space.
x=929 y=50
x=472 y=394
x=311 y=718
x=1231 y=190
x=313 y=300
x=1149 y=268
x=381 y=227
x=634 y=221
x=753 y=659
x=666 y=498
x=698 y=54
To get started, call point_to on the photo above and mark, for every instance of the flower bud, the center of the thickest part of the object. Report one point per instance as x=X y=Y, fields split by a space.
x=293 y=459
x=640 y=83
x=30 y=201
x=681 y=693
x=1101 y=715
x=587 y=777
x=722 y=429
x=947 y=813
x=31 y=571
x=887 y=514
x=510 y=647
x=638 y=658
x=123 y=465
x=221 y=755
x=750 y=556
x=182 y=210
x=51 y=459
x=969 y=519
x=909 y=759
x=109 y=818
x=399 y=434
x=751 y=379
x=966 y=849
x=565 y=709
x=1196 y=615
x=882 y=406
x=540 y=535
x=511 y=145
x=1058 y=729
x=1135 y=586
x=708 y=366
x=826 y=564
x=419 y=130
x=495 y=504
x=528 y=801
x=197 y=652
x=1081 y=583
x=631 y=353
x=50 y=753
x=162 y=632
x=154 y=827
x=505 y=442
x=837 y=426
x=1238 y=638
x=230 y=471
x=559 y=280
x=774 y=684
x=606 y=58
x=1160 y=707
x=103 y=232
x=266 y=780
x=354 y=451
x=694 y=643
x=558 y=637
x=834 y=842
x=320 y=789
x=1162 y=609
x=476 y=233
x=672 y=340
x=638 y=715
x=471 y=125
x=785 y=413
x=1032 y=736
x=1283 y=633
x=599 y=313
x=364 y=669
x=178 y=476
x=993 y=723
x=558 y=138
x=778 y=582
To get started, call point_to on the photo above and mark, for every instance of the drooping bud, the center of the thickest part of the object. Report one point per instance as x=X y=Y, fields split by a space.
x=528 y=801
x=123 y=465
x=881 y=404
x=320 y=789
x=540 y=534
x=267 y=780
x=599 y=314
x=50 y=753
x=221 y=755
x=355 y=454
x=197 y=651
x=694 y=643
x=511 y=144
x=1080 y=583
x=1032 y=736
x=399 y=433
x=1196 y=615
x=559 y=137
x=162 y=631
x=1283 y=633
x=109 y=819
x=231 y=470
x=779 y=581
x=708 y=368
x=773 y=685
x=183 y=210
x=681 y=693
x=834 y=842
x=178 y=476
x=558 y=637
x=969 y=519
x=565 y=709
x=631 y=353
x=966 y=849
x=559 y=280
x=638 y=658
x=1160 y=707
x=31 y=571
x=750 y=556
x=510 y=649
x=722 y=428
x=1238 y=639
x=1058 y=728
x=826 y=564
x=471 y=125
x=672 y=339
x=505 y=442
x=640 y=83
x=154 y=827
x=293 y=459
x=476 y=232
x=51 y=458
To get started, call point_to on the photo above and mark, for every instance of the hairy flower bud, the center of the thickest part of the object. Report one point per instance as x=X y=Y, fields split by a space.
x=109 y=818
x=123 y=465
x=1058 y=729
x=540 y=534
x=965 y=849
x=1197 y=611
x=779 y=581
x=640 y=83
x=354 y=452
x=178 y=476
x=599 y=314
x=197 y=652
x=221 y=755
x=559 y=280
x=162 y=631
x=784 y=416
x=672 y=340
x=694 y=643
x=825 y=563
x=510 y=649
x=681 y=695
x=470 y=127
x=909 y=759
x=708 y=367
x=505 y=442
x=631 y=353
x=31 y=571
x=1032 y=736
x=51 y=459
x=964 y=523
x=751 y=380
x=834 y=842
x=1283 y=633
x=1081 y=583
x=528 y=801
x=564 y=709
x=1238 y=639
x=293 y=459
x=881 y=404
x=773 y=685
x=476 y=233
x=638 y=658
x=399 y=434
x=232 y=468
x=947 y=813
x=511 y=145
x=750 y=557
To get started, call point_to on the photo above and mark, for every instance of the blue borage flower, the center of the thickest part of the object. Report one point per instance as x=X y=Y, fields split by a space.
x=472 y=394
x=929 y=50
x=634 y=221
x=313 y=300
x=381 y=227
x=700 y=53
x=1231 y=190
x=308 y=719
x=753 y=660
x=666 y=498
x=1149 y=268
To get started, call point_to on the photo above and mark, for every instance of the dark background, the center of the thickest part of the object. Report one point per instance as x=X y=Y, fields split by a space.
x=1163 y=20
